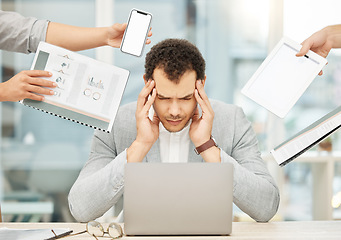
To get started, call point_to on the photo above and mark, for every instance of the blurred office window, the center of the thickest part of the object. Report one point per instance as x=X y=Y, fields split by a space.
x=301 y=19
x=41 y=155
x=233 y=37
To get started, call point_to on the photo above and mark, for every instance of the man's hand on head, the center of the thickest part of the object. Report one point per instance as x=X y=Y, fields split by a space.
x=201 y=127
x=147 y=130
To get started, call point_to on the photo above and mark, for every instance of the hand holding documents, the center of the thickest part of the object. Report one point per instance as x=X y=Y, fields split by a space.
x=307 y=138
x=282 y=78
x=88 y=92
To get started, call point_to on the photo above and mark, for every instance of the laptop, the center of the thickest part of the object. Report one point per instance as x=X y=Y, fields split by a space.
x=178 y=198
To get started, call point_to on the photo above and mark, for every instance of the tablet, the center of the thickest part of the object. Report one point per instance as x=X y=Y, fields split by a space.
x=282 y=77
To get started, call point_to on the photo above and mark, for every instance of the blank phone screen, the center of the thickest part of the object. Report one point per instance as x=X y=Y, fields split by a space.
x=136 y=32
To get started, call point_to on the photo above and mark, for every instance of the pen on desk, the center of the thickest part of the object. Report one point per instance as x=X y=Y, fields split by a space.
x=59 y=236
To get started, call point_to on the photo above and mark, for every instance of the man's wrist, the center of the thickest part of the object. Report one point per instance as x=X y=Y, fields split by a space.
x=105 y=36
x=211 y=155
x=137 y=151
x=334 y=35
x=206 y=145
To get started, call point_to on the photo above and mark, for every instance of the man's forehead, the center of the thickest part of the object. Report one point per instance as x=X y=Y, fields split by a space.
x=186 y=81
x=174 y=90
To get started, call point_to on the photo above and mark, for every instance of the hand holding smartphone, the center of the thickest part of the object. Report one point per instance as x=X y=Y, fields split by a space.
x=136 y=32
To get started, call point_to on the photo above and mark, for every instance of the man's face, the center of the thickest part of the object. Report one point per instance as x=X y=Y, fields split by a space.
x=175 y=102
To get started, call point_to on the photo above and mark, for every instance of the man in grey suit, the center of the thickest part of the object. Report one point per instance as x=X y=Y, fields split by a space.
x=172 y=117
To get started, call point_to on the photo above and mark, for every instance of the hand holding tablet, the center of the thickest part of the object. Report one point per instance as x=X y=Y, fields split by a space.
x=282 y=78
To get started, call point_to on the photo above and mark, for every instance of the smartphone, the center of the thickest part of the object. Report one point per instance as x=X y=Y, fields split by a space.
x=136 y=33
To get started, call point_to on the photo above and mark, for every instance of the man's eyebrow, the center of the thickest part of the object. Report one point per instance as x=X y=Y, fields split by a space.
x=161 y=96
x=187 y=96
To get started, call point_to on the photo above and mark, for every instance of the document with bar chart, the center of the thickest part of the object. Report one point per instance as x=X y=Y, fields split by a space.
x=88 y=92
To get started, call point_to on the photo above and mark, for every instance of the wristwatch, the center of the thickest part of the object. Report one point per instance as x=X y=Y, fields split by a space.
x=210 y=143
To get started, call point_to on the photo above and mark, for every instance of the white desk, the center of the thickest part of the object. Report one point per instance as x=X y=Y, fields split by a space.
x=240 y=230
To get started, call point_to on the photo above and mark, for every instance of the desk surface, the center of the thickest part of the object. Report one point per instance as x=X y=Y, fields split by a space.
x=240 y=230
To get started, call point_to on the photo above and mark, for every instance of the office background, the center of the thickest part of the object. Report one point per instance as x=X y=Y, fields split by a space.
x=41 y=155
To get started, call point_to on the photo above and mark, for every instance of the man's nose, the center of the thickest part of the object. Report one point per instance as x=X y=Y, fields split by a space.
x=174 y=108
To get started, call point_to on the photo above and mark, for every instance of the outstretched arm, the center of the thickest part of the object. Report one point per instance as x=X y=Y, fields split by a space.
x=81 y=38
x=322 y=41
x=23 y=34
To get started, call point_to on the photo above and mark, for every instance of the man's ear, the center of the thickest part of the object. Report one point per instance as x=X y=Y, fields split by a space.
x=144 y=78
x=203 y=81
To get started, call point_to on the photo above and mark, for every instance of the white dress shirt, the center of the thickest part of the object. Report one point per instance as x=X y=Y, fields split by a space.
x=174 y=146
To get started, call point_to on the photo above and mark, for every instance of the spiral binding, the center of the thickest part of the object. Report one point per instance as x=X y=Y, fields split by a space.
x=57 y=115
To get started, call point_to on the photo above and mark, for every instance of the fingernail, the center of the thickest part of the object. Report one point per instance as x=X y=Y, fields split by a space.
x=51 y=92
x=55 y=84
x=50 y=73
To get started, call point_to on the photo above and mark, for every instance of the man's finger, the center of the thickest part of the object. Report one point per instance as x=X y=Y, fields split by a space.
x=156 y=119
x=203 y=94
x=142 y=98
x=37 y=73
x=150 y=101
x=150 y=33
x=199 y=100
x=42 y=82
x=35 y=97
x=120 y=27
x=39 y=90
x=201 y=90
x=195 y=116
x=304 y=49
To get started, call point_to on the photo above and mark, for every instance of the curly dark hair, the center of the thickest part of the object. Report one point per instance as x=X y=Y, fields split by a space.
x=175 y=57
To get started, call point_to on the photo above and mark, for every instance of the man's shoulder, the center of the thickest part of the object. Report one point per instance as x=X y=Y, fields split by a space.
x=125 y=112
x=128 y=107
x=222 y=108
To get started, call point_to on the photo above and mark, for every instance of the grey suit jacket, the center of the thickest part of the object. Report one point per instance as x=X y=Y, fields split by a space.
x=100 y=183
x=21 y=34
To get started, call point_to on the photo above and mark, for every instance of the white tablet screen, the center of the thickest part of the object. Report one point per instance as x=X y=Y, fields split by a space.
x=282 y=77
x=277 y=83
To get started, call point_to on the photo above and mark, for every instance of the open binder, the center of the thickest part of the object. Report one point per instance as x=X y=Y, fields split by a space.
x=89 y=92
x=307 y=138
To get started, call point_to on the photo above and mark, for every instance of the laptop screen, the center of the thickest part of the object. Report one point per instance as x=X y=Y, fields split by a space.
x=178 y=198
